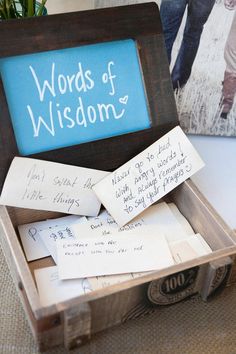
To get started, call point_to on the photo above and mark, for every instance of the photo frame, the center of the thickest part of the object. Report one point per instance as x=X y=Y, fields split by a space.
x=140 y=23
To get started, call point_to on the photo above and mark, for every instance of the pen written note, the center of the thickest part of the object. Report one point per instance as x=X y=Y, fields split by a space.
x=149 y=176
x=112 y=255
x=43 y=185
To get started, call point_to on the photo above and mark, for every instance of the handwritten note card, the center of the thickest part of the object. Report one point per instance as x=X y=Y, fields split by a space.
x=99 y=229
x=161 y=217
x=157 y=218
x=33 y=246
x=53 y=290
x=181 y=250
x=149 y=176
x=49 y=238
x=74 y=95
x=43 y=185
x=113 y=255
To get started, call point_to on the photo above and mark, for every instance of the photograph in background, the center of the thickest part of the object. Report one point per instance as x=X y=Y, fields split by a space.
x=205 y=92
x=200 y=36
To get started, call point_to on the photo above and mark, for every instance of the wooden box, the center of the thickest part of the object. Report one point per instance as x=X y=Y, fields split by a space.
x=73 y=322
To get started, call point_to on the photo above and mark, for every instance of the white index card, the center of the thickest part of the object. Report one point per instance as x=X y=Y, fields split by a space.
x=189 y=248
x=116 y=254
x=53 y=290
x=149 y=176
x=51 y=186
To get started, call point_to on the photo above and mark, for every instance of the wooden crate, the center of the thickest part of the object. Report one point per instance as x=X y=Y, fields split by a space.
x=73 y=322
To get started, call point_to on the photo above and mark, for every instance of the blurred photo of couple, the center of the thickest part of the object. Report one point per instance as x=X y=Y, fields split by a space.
x=200 y=38
x=189 y=80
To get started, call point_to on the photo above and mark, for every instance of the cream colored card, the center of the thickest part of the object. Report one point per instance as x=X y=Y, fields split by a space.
x=53 y=290
x=181 y=219
x=100 y=227
x=158 y=217
x=43 y=185
x=163 y=217
x=112 y=255
x=190 y=248
x=34 y=248
x=149 y=176
x=50 y=236
x=200 y=244
x=181 y=250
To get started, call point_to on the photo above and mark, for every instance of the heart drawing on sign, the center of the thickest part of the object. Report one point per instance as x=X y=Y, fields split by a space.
x=124 y=99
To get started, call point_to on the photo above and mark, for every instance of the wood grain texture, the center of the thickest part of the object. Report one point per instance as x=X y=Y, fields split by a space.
x=16 y=260
x=77 y=325
x=139 y=22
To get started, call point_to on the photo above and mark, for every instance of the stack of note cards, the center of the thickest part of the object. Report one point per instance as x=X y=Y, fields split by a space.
x=133 y=235
x=94 y=252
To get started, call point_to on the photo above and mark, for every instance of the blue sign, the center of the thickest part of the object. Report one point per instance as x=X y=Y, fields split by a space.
x=71 y=96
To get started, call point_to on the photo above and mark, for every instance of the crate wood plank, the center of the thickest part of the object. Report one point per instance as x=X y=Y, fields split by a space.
x=77 y=325
x=16 y=260
x=216 y=277
x=131 y=284
x=202 y=216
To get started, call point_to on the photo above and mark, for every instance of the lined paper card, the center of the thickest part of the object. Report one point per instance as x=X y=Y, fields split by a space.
x=42 y=185
x=112 y=255
x=149 y=176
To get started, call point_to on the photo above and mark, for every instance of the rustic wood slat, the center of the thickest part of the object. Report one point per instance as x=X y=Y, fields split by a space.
x=77 y=325
x=202 y=216
x=17 y=262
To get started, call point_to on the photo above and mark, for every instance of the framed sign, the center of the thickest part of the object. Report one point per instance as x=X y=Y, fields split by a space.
x=76 y=95
x=91 y=89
